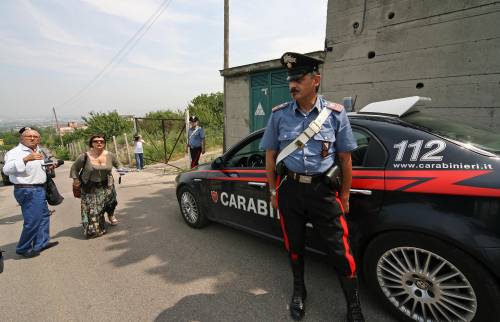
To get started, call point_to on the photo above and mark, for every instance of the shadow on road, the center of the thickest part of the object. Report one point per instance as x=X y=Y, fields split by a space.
x=248 y=277
x=11 y=220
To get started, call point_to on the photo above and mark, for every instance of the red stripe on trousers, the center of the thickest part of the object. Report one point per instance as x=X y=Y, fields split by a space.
x=348 y=256
x=282 y=221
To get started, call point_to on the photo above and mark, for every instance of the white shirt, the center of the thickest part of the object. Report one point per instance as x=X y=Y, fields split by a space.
x=19 y=173
x=138 y=146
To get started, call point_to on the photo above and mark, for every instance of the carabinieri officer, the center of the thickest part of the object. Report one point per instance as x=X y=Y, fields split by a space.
x=300 y=186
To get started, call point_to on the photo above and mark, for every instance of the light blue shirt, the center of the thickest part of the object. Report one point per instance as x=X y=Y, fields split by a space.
x=196 y=137
x=20 y=173
x=288 y=122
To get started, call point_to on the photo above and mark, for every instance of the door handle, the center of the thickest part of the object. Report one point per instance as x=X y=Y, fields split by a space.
x=197 y=180
x=361 y=192
x=257 y=184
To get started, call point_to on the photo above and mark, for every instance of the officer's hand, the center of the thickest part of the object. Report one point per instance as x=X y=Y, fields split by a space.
x=33 y=156
x=345 y=203
x=274 y=202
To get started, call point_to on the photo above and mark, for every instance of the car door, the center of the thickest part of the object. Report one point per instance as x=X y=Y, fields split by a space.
x=240 y=190
x=367 y=189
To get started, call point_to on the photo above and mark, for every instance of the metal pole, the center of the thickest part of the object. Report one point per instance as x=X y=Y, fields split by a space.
x=226 y=66
x=128 y=150
x=57 y=125
x=164 y=141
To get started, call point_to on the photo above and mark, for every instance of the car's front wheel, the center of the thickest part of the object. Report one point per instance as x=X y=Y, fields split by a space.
x=190 y=208
x=421 y=278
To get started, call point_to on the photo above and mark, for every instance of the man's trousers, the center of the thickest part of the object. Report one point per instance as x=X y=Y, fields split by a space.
x=35 y=234
x=317 y=203
x=195 y=156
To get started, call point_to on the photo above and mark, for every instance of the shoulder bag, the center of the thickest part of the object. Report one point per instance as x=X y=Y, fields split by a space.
x=77 y=189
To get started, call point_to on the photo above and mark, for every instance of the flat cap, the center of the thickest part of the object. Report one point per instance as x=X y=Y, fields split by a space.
x=298 y=65
x=25 y=128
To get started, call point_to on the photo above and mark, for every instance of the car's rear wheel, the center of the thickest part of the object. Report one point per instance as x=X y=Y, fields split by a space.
x=421 y=278
x=190 y=208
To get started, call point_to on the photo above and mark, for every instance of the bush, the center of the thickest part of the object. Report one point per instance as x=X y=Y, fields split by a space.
x=62 y=153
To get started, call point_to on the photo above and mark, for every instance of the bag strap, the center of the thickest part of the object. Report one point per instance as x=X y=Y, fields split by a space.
x=83 y=166
x=313 y=129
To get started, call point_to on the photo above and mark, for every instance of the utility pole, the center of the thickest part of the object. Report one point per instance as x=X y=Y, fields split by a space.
x=57 y=125
x=226 y=66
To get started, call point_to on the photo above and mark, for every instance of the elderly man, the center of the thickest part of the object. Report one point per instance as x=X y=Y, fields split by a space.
x=24 y=166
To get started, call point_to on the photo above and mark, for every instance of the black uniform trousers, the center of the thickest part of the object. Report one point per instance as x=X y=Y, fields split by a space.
x=317 y=203
x=195 y=156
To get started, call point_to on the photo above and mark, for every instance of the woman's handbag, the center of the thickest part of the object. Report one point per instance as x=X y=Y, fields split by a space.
x=77 y=188
x=53 y=196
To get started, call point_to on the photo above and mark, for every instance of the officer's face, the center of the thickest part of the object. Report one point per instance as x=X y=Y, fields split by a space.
x=304 y=87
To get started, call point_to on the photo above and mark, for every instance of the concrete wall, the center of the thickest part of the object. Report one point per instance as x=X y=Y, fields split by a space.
x=448 y=50
x=237 y=108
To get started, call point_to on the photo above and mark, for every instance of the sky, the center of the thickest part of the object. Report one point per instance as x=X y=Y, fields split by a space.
x=81 y=56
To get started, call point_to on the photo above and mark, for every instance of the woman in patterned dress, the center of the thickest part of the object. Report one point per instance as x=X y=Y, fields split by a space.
x=92 y=173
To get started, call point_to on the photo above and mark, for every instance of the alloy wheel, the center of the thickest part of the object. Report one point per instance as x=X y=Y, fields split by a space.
x=424 y=286
x=189 y=207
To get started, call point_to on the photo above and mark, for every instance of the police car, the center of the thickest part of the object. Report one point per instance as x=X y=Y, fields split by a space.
x=425 y=208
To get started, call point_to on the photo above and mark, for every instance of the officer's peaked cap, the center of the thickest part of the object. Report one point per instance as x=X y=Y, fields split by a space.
x=299 y=65
x=193 y=119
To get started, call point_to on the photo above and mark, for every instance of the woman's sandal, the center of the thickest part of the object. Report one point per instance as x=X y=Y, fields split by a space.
x=112 y=220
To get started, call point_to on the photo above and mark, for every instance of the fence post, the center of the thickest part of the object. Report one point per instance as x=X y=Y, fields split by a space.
x=116 y=147
x=187 y=155
x=128 y=150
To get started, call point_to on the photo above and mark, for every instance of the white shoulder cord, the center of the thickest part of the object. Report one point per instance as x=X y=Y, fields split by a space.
x=313 y=129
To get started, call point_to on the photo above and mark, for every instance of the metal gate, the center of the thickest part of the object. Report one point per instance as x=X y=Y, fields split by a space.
x=163 y=137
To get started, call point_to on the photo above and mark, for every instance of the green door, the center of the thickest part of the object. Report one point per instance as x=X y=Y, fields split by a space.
x=267 y=90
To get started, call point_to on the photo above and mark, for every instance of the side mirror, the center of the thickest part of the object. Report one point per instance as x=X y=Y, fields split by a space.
x=218 y=163
x=349 y=104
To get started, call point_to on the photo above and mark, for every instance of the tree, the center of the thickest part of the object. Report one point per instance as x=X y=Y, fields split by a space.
x=209 y=109
x=108 y=124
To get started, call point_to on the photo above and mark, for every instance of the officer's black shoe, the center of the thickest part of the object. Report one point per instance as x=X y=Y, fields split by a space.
x=350 y=288
x=298 y=304
x=1 y=261
x=354 y=313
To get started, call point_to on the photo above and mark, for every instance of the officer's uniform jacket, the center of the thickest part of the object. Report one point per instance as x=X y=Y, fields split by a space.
x=287 y=122
x=196 y=139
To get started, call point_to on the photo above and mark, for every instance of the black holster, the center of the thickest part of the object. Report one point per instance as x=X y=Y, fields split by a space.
x=281 y=169
x=333 y=177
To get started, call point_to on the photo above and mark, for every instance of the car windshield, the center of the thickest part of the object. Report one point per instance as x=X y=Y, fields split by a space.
x=463 y=132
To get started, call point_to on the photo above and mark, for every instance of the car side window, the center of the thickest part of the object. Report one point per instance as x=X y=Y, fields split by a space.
x=369 y=152
x=248 y=156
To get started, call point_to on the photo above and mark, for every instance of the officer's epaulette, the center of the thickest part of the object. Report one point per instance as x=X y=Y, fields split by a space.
x=279 y=107
x=335 y=107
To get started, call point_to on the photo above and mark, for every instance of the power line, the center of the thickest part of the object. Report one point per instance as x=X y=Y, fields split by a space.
x=122 y=53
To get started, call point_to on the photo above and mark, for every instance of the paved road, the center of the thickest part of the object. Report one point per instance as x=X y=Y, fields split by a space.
x=152 y=267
